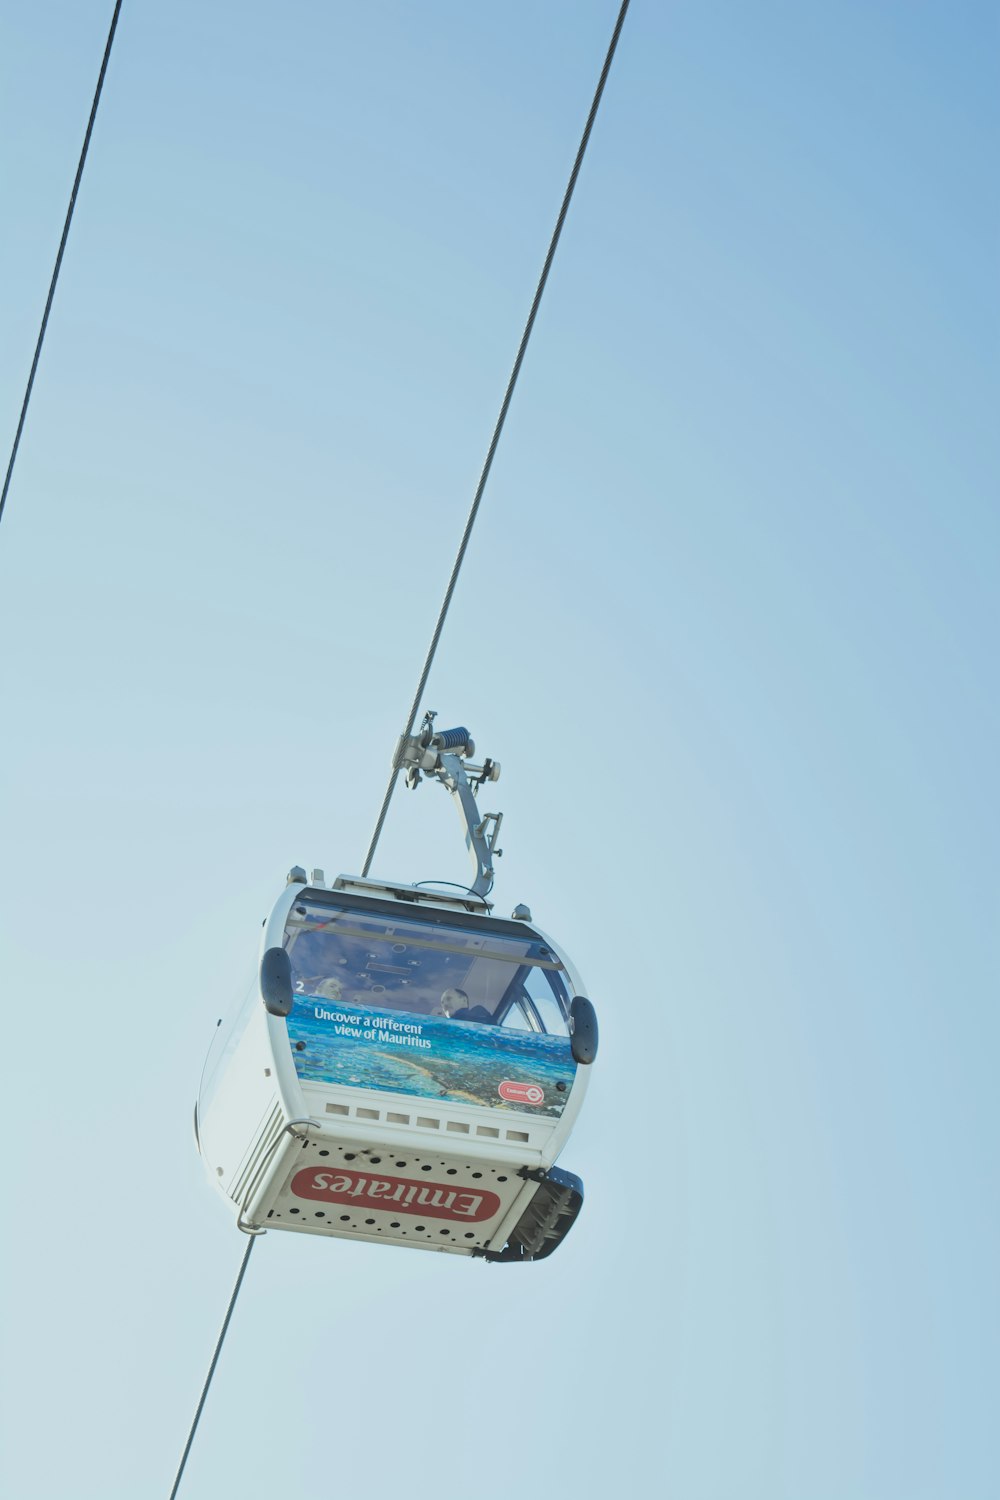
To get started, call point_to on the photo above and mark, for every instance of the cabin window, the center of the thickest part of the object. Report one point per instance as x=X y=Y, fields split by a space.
x=515 y=1018
x=349 y=957
x=547 y=994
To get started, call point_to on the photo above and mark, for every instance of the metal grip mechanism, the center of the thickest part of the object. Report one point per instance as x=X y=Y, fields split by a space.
x=455 y=739
x=443 y=754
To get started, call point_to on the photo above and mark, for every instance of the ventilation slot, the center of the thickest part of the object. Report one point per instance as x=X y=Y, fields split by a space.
x=397 y=1119
x=431 y=1124
x=458 y=1125
x=368 y=1114
x=518 y=1135
x=485 y=1130
x=338 y=1109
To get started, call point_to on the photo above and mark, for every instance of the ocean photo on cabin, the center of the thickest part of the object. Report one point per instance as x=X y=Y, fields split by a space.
x=432 y=1057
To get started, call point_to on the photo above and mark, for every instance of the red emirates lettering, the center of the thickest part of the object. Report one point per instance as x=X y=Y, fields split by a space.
x=397 y=1195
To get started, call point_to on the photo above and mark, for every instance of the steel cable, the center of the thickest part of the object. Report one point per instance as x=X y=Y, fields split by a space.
x=251 y=1241
x=498 y=429
x=456 y=568
x=59 y=256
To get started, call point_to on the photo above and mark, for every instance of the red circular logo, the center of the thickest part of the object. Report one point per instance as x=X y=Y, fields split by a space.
x=521 y=1093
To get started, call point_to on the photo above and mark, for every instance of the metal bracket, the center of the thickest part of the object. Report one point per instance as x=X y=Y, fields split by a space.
x=243 y=1224
x=444 y=755
x=532 y=1174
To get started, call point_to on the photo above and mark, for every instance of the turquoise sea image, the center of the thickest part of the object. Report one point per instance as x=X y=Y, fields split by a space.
x=429 y=1056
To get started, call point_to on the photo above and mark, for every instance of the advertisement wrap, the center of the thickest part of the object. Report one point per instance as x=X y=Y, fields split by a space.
x=433 y=1057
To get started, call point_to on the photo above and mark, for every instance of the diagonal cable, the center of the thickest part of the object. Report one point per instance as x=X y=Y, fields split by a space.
x=470 y=522
x=59 y=256
x=251 y=1241
x=498 y=429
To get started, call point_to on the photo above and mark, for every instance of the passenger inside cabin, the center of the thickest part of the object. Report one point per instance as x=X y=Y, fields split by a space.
x=455 y=1005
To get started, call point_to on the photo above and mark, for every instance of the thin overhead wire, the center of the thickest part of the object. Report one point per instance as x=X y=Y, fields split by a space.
x=251 y=1241
x=498 y=429
x=59 y=256
x=470 y=522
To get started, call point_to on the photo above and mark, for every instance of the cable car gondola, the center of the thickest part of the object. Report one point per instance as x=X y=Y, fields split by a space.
x=407 y=1066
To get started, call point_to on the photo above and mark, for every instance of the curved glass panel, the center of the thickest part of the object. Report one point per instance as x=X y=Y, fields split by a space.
x=549 y=1000
x=351 y=957
x=429 y=1004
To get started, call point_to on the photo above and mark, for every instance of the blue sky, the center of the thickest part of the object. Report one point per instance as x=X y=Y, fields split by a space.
x=728 y=621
